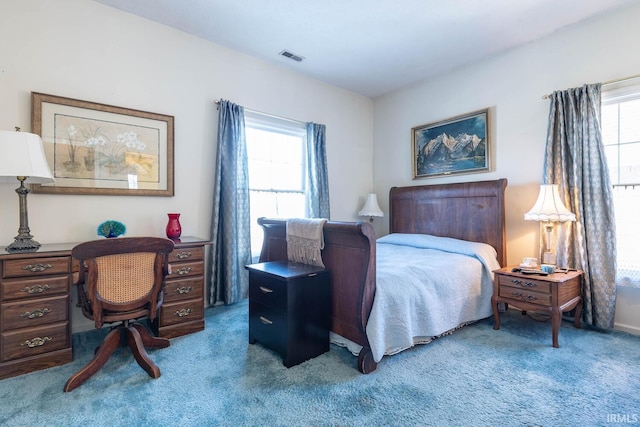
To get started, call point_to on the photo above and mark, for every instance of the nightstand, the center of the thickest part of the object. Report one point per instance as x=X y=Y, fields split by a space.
x=289 y=308
x=553 y=294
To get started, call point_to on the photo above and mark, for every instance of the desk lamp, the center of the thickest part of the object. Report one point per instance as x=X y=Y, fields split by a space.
x=549 y=209
x=22 y=158
x=371 y=208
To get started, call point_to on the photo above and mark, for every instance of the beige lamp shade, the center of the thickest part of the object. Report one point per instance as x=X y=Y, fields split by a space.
x=549 y=206
x=22 y=154
x=371 y=208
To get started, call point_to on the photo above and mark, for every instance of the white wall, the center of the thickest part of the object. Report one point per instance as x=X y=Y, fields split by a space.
x=84 y=50
x=511 y=85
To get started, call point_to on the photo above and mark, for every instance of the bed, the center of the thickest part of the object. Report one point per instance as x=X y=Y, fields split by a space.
x=472 y=212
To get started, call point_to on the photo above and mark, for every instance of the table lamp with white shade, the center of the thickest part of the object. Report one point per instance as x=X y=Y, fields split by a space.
x=371 y=208
x=549 y=209
x=22 y=158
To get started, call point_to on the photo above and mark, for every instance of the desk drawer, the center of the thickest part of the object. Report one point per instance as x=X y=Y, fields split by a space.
x=184 y=269
x=34 y=288
x=525 y=296
x=524 y=283
x=182 y=311
x=23 y=314
x=34 y=341
x=36 y=267
x=182 y=289
x=186 y=254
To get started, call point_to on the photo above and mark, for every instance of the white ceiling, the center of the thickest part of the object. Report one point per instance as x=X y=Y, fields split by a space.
x=370 y=46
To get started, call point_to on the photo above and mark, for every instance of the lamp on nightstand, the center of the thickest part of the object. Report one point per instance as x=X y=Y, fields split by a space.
x=548 y=209
x=22 y=158
x=371 y=208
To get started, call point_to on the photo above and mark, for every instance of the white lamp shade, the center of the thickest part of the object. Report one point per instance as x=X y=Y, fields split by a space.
x=549 y=206
x=371 y=207
x=22 y=154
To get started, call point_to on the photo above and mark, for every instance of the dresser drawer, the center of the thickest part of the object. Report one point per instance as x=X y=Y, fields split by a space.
x=268 y=291
x=23 y=314
x=33 y=288
x=183 y=289
x=268 y=327
x=36 y=267
x=187 y=254
x=525 y=295
x=34 y=341
x=183 y=269
x=182 y=311
x=525 y=283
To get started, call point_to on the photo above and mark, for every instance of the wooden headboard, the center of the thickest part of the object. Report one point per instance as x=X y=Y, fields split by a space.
x=471 y=211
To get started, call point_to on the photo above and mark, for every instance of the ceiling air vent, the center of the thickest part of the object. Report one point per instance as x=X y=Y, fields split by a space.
x=292 y=56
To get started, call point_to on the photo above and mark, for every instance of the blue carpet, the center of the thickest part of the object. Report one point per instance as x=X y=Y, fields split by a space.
x=476 y=376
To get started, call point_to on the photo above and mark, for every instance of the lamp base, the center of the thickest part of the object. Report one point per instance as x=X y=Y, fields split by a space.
x=23 y=244
x=549 y=258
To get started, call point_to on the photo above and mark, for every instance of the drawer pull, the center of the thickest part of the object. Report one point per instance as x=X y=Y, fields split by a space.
x=265 y=321
x=36 y=342
x=37 y=268
x=524 y=296
x=184 y=255
x=37 y=313
x=183 y=270
x=265 y=290
x=35 y=289
x=183 y=290
x=519 y=282
x=182 y=312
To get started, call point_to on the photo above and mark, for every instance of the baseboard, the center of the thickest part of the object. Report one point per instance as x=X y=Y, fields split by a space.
x=627 y=328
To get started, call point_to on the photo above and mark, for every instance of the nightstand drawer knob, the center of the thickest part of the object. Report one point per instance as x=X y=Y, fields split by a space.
x=35 y=313
x=35 y=289
x=36 y=342
x=519 y=282
x=37 y=268
x=523 y=296
x=184 y=270
x=182 y=312
x=183 y=290
x=265 y=290
x=265 y=320
x=184 y=255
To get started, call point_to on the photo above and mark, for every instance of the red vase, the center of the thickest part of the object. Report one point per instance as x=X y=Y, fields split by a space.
x=174 y=229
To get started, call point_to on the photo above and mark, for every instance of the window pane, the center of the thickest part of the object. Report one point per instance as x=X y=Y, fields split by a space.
x=610 y=124
x=630 y=163
x=629 y=116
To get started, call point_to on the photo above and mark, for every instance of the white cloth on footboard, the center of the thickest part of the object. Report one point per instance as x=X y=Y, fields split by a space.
x=426 y=286
x=305 y=240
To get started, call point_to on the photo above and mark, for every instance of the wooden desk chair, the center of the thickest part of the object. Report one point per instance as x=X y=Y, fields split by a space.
x=121 y=280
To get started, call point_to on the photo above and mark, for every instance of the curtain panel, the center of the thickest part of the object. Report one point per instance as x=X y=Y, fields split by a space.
x=230 y=222
x=575 y=160
x=317 y=180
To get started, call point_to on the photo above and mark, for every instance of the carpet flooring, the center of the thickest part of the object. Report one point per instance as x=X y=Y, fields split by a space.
x=474 y=377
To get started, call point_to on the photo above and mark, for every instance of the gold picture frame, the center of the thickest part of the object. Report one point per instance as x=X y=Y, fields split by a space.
x=458 y=145
x=102 y=149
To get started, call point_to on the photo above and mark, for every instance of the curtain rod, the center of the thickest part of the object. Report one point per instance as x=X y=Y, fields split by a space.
x=217 y=102
x=610 y=82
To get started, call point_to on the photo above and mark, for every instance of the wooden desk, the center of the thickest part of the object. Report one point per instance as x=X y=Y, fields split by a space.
x=35 y=295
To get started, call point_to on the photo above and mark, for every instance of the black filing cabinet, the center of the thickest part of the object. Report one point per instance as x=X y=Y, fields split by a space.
x=289 y=309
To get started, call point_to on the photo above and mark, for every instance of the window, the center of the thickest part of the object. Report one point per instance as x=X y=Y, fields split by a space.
x=621 y=138
x=276 y=157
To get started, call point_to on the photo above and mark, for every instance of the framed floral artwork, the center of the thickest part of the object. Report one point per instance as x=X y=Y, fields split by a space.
x=457 y=145
x=95 y=148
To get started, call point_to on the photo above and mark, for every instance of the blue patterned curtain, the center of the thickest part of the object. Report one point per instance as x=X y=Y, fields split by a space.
x=575 y=160
x=230 y=223
x=317 y=181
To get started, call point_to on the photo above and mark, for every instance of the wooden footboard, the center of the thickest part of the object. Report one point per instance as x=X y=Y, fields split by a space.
x=349 y=253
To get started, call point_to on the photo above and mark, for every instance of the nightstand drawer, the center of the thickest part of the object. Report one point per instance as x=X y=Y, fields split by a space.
x=524 y=283
x=34 y=288
x=268 y=291
x=525 y=295
x=22 y=314
x=269 y=325
x=34 y=341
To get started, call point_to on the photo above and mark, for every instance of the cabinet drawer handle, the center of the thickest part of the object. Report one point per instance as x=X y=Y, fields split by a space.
x=523 y=296
x=183 y=270
x=265 y=290
x=36 y=342
x=183 y=290
x=183 y=312
x=184 y=255
x=37 y=268
x=519 y=282
x=265 y=320
x=35 y=289
x=35 y=313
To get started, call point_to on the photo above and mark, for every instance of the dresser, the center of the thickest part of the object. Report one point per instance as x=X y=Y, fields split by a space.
x=183 y=309
x=35 y=309
x=289 y=309
x=552 y=294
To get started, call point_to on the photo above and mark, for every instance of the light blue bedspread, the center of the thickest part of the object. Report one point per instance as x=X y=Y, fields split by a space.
x=426 y=286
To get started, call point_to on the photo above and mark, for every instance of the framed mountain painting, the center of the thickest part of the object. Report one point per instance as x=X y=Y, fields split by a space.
x=457 y=145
